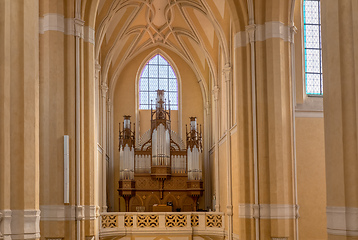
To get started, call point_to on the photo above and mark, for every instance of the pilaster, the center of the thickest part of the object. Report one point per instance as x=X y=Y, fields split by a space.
x=340 y=74
x=272 y=131
x=19 y=124
x=104 y=89
x=215 y=93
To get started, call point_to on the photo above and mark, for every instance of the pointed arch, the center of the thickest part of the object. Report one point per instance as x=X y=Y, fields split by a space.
x=312 y=47
x=158 y=74
x=178 y=79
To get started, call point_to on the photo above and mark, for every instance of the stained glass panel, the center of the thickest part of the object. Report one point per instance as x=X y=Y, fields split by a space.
x=171 y=73
x=145 y=71
x=153 y=84
x=144 y=86
x=313 y=49
x=163 y=71
x=158 y=74
x=173 y=84
x=153 y=71
x=163 y=84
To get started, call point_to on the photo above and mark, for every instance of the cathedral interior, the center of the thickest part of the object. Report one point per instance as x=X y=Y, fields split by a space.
x=178 y=119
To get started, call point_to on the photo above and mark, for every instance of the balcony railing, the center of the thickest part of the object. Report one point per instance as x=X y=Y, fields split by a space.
x=192 y=223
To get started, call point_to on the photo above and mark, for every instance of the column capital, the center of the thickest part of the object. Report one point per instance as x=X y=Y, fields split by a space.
x=227 y=72
x=215 y=92
x=251 y=29
x=97 y=66
x=97 y=70
x=293 y=31
x=229 y=210
x=104 y=89
x=79 y=23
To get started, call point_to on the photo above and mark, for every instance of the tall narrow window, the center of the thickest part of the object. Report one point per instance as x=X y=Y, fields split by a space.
x=158 y=75
x=313 y=47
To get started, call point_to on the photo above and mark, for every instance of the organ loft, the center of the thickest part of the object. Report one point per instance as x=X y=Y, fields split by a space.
x=160 y=173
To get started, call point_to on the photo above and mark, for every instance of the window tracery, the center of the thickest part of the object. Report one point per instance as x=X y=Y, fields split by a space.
x=313 y=47
x=158 y=75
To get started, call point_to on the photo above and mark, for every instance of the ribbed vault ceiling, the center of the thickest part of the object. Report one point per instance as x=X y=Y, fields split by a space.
x=197 y=30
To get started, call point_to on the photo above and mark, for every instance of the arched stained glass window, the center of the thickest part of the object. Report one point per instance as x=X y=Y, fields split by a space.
x=158 y=75
x=313 y=47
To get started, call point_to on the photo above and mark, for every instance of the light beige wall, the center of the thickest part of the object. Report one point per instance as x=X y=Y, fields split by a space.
x=311 y=178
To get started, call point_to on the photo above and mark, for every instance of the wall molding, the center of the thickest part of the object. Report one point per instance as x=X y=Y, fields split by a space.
x=342 y=221
x=20 y=224
x=263 y=32
x=68 y=212
x=58 y=22
x=308 y=114
x=5 y=222
x=268 y=211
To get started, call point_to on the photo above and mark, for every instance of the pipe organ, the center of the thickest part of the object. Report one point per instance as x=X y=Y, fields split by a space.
x=160 y=173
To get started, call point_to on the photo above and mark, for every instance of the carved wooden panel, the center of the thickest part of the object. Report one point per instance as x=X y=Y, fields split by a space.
x=146 y=183
x=175 y=183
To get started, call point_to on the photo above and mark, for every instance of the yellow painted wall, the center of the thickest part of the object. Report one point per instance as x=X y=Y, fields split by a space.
x=311 y=178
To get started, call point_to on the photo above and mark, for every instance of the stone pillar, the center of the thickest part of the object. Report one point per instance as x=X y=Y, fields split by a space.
x=104 y=89
x=227 y=72
x=5 y=133
x=206 y=161
x=276 y=209
x=19 y=119
x=216 y=138
x=340 y=74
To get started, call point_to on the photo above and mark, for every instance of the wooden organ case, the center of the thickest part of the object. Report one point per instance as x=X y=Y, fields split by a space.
x=160 y=174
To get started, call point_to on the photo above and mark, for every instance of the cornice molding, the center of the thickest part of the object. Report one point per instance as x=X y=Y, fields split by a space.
x=58 y=22
x=5 y=222
x=308 y=114
x=263 y=32
x=68 y=212
x=268 y=211
x=342 y=221
x=20 y=224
